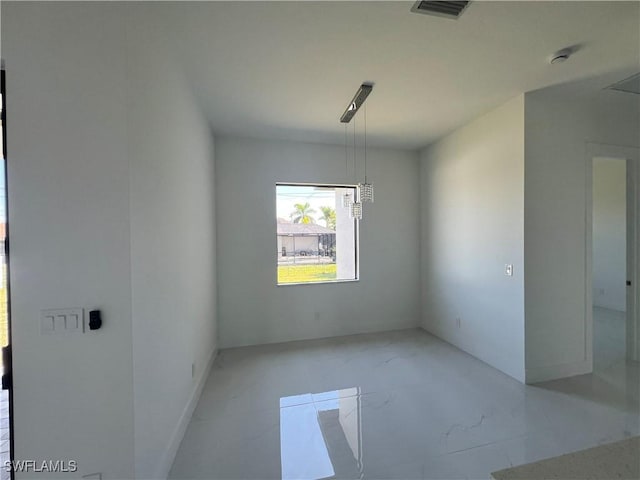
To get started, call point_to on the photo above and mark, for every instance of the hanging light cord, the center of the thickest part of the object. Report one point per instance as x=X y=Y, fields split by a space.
x=365 y=143
x=355 y=175
x=346 y=153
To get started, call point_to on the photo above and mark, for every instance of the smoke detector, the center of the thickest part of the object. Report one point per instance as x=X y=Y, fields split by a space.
x=560 y=56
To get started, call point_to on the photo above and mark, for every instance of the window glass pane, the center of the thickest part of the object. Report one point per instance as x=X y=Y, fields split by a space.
x=316 y=238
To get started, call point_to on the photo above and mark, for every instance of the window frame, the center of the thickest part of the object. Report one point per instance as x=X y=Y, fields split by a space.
x=356 y=232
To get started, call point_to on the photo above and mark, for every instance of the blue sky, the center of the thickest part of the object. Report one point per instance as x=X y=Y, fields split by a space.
x=288 y=195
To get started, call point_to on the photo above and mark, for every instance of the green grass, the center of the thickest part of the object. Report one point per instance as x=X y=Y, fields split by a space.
x=306 y=273
x=4 y=317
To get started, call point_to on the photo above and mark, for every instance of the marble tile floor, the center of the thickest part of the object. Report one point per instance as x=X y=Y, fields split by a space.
x=395 y=405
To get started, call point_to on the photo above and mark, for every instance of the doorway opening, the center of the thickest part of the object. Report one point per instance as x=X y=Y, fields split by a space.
x=612 y=290
x=609 y=261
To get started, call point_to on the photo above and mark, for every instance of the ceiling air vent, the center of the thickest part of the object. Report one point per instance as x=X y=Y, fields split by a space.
x=440 y=9
x=628 y=85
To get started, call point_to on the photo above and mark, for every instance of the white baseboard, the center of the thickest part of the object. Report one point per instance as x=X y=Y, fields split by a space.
x=554 y=372
x=451 y=340
x=169 y=456
x=613 y=308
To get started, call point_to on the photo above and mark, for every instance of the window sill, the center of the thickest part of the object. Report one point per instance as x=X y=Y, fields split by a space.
x=317 y=283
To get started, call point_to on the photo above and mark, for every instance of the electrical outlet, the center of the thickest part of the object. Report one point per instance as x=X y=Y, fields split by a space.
x=193 y=370
x=457 y=322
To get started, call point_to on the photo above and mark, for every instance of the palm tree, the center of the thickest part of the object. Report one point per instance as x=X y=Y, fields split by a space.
x=329 y=217
x=302 y=213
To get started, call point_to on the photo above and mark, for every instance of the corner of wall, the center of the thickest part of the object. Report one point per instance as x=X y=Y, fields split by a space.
x=472 y=224
x=172 y=216
x=169 y=455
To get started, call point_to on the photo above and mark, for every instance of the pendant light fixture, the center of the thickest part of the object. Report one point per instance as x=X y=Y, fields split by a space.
x=355 y=210
x=364 y=191
x=357 y=101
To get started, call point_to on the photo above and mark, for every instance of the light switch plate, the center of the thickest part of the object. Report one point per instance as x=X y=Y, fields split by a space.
x=65 y=320
x=508 y=270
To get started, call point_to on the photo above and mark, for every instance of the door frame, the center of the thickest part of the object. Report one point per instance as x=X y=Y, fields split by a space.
x=632 y=157
x=9 y=371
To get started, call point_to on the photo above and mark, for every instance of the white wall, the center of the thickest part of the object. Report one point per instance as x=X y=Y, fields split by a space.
x=252 y=309
x=472 y=203
x=111 y=206
x=559 y=130
x=69 y=217
x=609 y=233
x=172 y=242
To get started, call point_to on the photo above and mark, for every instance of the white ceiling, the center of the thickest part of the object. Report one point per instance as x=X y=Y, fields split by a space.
x=288 y=69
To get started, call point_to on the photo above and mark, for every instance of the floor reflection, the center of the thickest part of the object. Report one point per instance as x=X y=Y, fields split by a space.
x=423 y=409
x=321 y=435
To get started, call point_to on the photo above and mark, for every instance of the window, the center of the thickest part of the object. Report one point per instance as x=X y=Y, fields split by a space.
x=317 y=241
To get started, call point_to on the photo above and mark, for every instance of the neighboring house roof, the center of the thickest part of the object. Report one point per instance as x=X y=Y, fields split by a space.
x=303 y=229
